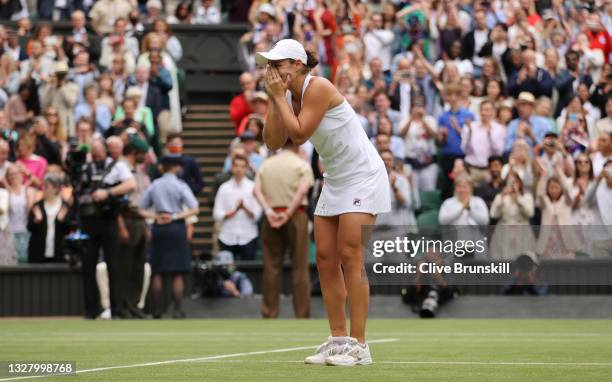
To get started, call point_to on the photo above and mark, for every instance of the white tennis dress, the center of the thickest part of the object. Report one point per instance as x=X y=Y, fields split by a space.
x=355 y=176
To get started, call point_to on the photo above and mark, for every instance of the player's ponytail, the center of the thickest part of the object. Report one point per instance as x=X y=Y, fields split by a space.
x=312 y=60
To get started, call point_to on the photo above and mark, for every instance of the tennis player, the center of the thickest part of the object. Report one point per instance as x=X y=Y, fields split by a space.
x=356 y=189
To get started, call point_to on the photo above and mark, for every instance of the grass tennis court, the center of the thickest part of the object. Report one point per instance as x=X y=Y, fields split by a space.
x=258 y=350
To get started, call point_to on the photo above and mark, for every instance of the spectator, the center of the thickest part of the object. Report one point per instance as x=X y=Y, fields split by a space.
x=599 y=195
x=182 y=14
x=57 y=131
x=172 y=44
x=419 y=132
x=152 y=45
x=480 y=140
x=377 y=41
x=249 y=144
x=530 y=78
x=450 y=128
x=164 y=202
x=395 y=143
x=33 y=167
x=44 y=146
x=104 y=13
x=513 y=208
x=527 y=126
x=107 y=92
x=94 y=110
x=464 y=208
x=494 y=186
x=206 y=13
x=191 y=170
x=48 y=223
x=605 y=124
x=237 y=211
x=21 y=199
x=383 y=108
x=62 y=94
x=404 y=198
x=582 y=213
x=5 y=163
x=556 y=241
x=567 y=80
x=154 y=8
x=260 y=108
x=241 y=105
x=143 y=113
x=22 y=106
x=115 y=46
x=281 y=187
x=129 y=120
x=603 y=152
x=83 y=72
x=8 y=255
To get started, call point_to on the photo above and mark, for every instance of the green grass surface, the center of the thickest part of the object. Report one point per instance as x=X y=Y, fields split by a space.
x=436 y=350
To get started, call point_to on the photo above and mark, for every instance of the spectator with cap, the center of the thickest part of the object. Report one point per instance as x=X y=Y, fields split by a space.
x=170 y=252
x=206 y=12
x=527 y=126
x=62 y=94
x=238 y=212
x=281 y=187
x=241 y=104
x=133 y=229
x=48 y=223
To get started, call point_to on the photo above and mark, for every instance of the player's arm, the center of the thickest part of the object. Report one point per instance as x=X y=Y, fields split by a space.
x=274 y=134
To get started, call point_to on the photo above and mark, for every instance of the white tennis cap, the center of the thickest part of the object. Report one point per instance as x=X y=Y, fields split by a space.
x=283 y=50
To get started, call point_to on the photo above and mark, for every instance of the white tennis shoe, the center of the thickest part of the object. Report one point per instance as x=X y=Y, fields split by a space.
x=350 y=354
x=326 y=349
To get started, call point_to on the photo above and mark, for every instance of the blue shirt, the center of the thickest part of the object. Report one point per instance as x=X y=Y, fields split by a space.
x=539 y=125
x=452 y=146
x=103 y=115
x=168 y=194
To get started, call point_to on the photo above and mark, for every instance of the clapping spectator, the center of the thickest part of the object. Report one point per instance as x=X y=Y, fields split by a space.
x=237 y=210
x=21 y=199
x=94 y=110
x=206 y=13
x=404 y=198
x=48 y=223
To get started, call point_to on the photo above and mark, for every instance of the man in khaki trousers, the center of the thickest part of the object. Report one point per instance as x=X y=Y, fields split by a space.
x=281 y=186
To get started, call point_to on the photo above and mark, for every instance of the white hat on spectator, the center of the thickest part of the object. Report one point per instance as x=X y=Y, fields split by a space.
x=526 y=97
x=133 y=91
x=60 y=67
x=154 y=4
x=283 y=50
x=267 y=8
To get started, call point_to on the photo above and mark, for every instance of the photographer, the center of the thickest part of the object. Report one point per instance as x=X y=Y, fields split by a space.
x=105 y=182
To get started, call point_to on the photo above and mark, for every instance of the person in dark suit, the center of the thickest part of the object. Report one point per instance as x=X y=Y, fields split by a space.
x=473 y=41
x=564 y=81
x=48 y=223
x=530 y=78
x=191 y=171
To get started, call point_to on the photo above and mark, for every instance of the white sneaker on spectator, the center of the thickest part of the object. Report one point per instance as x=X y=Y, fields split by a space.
x=106 y=315
x=325 y=350
x=350 y=354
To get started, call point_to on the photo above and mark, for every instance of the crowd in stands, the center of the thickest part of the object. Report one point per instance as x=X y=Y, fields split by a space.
x=484 y=112
x=113 y=78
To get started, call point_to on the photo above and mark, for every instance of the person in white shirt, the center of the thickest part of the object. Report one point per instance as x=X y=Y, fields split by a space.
x=464 y=208
x=480 y=140
x=207 y=13
x=377 y=42
x=237 y=212
x=599 y=195
x=603 y=153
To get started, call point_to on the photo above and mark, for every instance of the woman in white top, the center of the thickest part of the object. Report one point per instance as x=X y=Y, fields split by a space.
x=21 y=199
x=355 y=190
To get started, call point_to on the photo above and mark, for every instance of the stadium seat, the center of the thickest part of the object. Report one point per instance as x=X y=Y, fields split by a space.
x=430 y=200
x=428 y=219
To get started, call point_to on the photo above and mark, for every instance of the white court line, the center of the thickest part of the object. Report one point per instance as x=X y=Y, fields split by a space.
x=185 y=360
